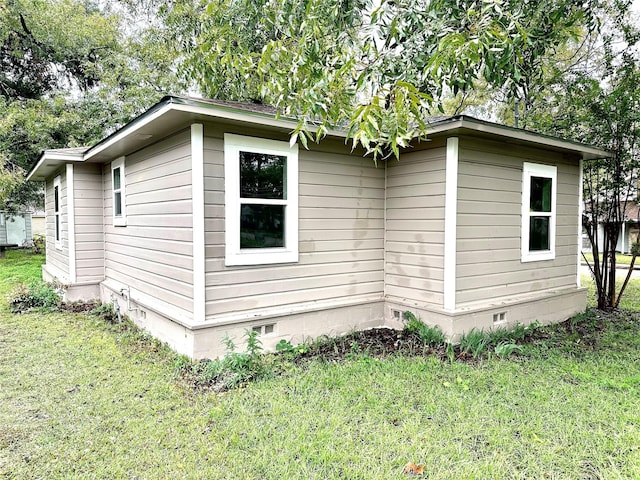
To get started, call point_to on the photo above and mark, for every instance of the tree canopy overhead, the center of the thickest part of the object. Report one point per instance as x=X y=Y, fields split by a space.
x=70 y=73
x=591 y=93
x=377 y=67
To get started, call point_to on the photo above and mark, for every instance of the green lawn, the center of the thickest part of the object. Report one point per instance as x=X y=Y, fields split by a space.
x=630 y=298
x=620 y=258
x=79 y=399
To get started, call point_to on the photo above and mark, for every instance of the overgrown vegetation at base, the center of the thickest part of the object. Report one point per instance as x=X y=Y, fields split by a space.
x=416 y=339
x=233 y=370
x=84 y=398
x=36 y=295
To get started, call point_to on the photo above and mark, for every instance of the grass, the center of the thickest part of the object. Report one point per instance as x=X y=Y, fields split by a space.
x=82 y=399
x=621 y=259
x=630 y=299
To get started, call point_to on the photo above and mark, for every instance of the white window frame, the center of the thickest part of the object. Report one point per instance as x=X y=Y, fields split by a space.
x=119 y=220
x=57 y=214
x=546 y=171
x=234 y=255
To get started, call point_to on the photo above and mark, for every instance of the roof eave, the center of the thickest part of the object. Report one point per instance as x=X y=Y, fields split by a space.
x=464 y=123
x=172 y=112
x=177 y=107
x=51 y=160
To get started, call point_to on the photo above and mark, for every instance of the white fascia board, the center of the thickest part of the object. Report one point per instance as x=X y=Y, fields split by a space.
x=256 y=118
x=213 y=111
x=587 y=151
x=127 y=130
x=55 y=157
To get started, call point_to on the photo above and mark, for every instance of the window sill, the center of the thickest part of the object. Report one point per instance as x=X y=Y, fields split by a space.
x=261 y=257
x=538 y=256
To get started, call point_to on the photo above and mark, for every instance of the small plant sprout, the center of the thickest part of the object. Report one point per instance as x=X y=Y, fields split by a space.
x=474 y=342
x=505 y=349
x=431 y=336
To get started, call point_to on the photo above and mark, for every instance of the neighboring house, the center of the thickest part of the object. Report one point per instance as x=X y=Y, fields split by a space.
x=201 y=220
x=628 y=234
x=629 y=229
x=15 y=228
x=38 y=223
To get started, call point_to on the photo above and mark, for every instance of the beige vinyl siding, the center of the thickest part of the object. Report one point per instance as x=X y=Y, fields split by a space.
x=415 y=227
x=89 y=223
x=489 y=226
x=341 y=216
x=57 y=259
x=153 y=252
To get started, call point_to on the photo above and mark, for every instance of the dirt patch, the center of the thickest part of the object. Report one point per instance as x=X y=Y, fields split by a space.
x=375 y=343
x=586 y=329
x=78 y=307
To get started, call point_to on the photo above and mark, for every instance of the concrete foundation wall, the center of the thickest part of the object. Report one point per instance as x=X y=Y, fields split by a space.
x=543 y=307
x=206 y=340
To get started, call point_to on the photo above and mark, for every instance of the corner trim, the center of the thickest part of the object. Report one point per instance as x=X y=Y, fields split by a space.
x=197 y=199
x=450 y=223
x=71 y=222
x=580 y=212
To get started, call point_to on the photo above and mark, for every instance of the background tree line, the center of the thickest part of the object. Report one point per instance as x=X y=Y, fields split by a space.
x=74 y=70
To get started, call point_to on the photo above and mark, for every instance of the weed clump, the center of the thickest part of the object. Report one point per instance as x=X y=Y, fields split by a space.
x=36 y=295
x=106 y=312
x=431 y=336
x=232 y=371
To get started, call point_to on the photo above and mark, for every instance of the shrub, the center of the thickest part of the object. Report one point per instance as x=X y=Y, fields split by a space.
x=36 y=295
x=38 y=244
x=106 y=312
x=431 y=336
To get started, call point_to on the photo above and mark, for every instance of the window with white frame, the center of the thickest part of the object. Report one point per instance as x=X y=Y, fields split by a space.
x=261 y=201
x=57 y=213
x=539 y=191
x=118 y=184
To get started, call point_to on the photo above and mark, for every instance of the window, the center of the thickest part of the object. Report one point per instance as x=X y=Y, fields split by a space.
x=118 y=182
x=57 y=220
x=261 y=201
x=539 y=187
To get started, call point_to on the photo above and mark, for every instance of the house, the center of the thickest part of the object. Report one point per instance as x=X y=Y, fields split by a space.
x=628 y=233
x=15 y=228
x=629 y=230
x=201 y=220
x=38 y=223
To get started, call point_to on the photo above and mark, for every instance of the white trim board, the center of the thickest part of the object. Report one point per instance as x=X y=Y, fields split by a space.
x=71 y=222
x=450 y=224
x=197 y=198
